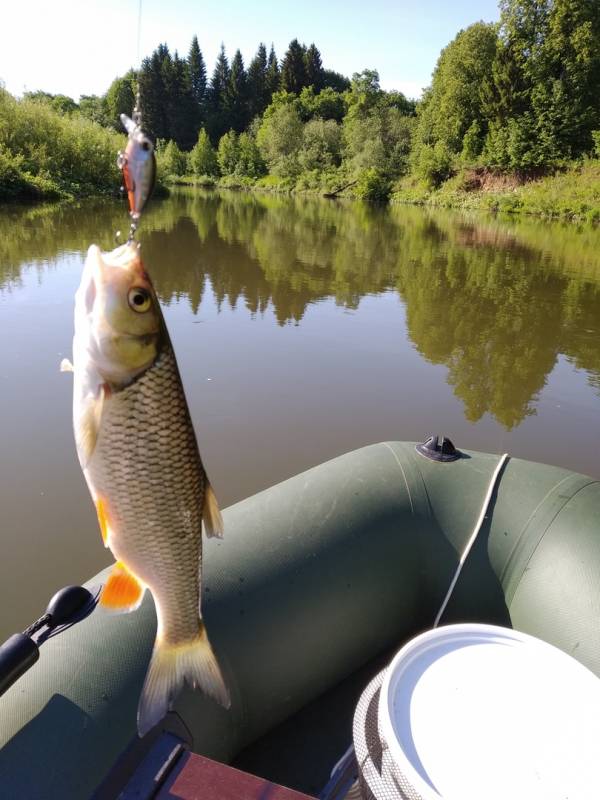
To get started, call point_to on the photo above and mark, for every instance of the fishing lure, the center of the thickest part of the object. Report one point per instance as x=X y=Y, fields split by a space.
x=138 y=165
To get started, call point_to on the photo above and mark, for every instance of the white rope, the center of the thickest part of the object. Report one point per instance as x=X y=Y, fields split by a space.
x=473 y=537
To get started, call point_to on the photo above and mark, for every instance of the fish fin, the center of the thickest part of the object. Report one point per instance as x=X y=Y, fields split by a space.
x=66 y=366
x=170 y=667
x=89 y=424
x=101 y=511
x=211 y=515
x=122 y=591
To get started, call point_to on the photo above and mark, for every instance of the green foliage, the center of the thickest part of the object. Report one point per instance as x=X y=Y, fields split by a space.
x=377 y=135
x=170 y=160
x=321 y=145
x=328 y=104
x=228 y=153
x=46 y=153
x=250 y=163
x=197 y=70
x=280 y=136
x=202 y=159
x=120 y=99
x=452 y=106
x=596 y=140
x=433 y=163
x=293 y=68
x=94 y=108
x=373 y=185
x=314 y=68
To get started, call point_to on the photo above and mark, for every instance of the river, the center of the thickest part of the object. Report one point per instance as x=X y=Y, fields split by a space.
x=303 y=329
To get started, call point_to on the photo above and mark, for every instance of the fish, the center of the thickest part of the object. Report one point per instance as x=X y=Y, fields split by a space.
x=138 y=452
x=138 y=165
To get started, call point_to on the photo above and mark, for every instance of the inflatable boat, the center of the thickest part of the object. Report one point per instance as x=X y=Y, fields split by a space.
x=317 y=581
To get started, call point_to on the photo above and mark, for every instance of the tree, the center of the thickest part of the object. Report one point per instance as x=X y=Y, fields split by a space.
x=321 y=145
x=293 y=68
x=258 y=92
x=328 y=104
x=203 y=158
x=236 y=95
x=152 y=94
x=197 y=71
x=218 y=118
x=94 y=107
x=280 y=136
x=273 y=78
x=228 y=153
x=250 y=162
x=454 y=102
x=314 y=68
x=170 y=159
x=542 y=97
x=335 y=80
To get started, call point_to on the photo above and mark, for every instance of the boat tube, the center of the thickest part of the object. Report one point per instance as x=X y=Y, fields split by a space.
x=314 y=578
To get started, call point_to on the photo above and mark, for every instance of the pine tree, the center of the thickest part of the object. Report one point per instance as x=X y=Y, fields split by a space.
x=314 y=68
x=197 y=70
x=237 y=94
x=293 y=68
x=273 y=78
x=258 y=97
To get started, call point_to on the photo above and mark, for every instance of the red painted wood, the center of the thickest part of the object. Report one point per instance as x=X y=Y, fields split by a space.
x=198 y=778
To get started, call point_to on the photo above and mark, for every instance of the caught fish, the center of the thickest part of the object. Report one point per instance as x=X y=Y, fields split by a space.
x=137 y=448
x=138 y=164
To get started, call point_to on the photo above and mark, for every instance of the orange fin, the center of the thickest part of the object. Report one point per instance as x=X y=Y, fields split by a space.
x=103 y=520
x=211 y=516
x=122 y=591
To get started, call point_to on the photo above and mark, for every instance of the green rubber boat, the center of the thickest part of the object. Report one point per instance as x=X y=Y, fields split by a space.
x=318 y=580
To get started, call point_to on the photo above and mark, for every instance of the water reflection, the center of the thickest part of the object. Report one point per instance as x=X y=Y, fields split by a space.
x=494 y=301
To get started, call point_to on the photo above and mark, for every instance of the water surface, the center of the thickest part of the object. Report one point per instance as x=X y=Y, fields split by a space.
x=303 y=329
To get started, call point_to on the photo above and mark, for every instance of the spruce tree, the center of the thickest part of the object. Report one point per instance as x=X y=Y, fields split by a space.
x=314 y=68
x=293 y=68
x=237 y=94
x=217 y=121
x=258 y=98
x=197 y=70
x=273 y=78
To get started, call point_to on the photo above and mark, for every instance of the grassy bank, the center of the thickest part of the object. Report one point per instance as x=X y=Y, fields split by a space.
x=572 y=193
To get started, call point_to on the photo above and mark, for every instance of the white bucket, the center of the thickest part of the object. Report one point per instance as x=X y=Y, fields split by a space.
x=478 y=712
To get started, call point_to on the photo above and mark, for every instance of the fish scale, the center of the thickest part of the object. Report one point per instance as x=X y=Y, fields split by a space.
x=159 y=532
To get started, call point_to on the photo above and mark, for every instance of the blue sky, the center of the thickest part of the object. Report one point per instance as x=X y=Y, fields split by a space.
x=78 y=46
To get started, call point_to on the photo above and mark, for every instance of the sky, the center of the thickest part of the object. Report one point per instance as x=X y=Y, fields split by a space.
x=77 y=47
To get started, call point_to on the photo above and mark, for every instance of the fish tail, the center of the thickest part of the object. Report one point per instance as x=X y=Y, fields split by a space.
x=170 y=667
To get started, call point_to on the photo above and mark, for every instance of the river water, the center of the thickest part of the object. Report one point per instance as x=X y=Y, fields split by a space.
x=303 y=329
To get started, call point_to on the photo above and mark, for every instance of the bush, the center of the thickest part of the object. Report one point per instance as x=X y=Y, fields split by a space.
x=434 y=163
x=596 y=140
x=202 y=159
x=48 y=154
x=169 y=159
x=372 y=185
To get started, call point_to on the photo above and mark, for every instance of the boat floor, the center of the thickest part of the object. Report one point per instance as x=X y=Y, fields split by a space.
x=301 y=752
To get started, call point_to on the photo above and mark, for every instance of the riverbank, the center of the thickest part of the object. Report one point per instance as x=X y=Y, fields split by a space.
x=572 y=193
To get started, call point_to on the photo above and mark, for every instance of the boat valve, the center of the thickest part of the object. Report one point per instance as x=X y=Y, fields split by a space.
x=432 y=449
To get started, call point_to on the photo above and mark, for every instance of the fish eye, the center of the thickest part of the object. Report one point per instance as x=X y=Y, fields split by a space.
x=146 y=145
x=139 y=299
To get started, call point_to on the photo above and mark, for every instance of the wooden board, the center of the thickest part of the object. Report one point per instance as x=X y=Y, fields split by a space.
x=195 y=777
